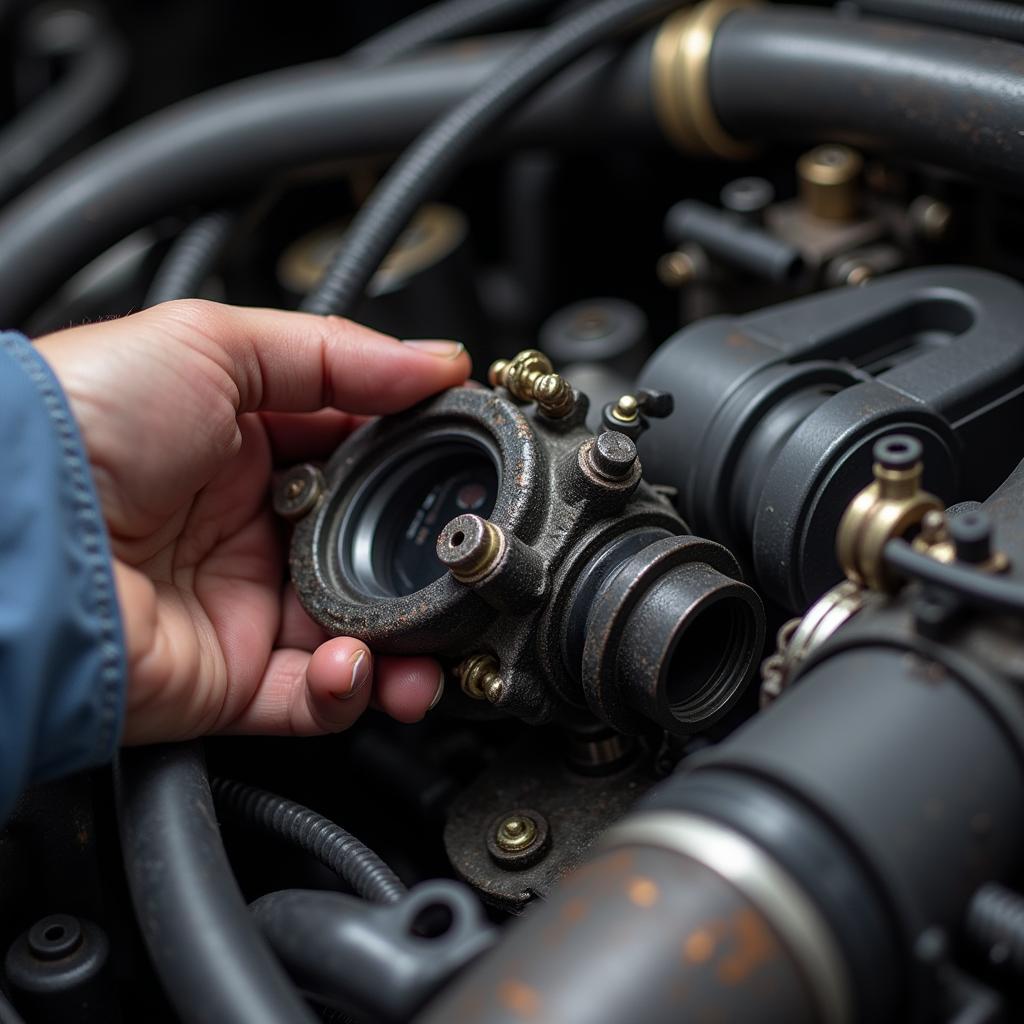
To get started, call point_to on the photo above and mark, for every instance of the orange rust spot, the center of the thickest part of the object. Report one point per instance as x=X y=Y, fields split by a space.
x=617 y=863
x=737 y=340
x=699 y=946
x=519 y=998
x=574 y=911
x=642 y=891
x=755 y=945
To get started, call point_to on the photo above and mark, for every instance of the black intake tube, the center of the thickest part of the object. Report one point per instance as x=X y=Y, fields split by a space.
x=215 y=967
x=207 y=147
x=97 y=64
x=902 y=89
x=982 y=17
x=638 y=934
x=803 y=857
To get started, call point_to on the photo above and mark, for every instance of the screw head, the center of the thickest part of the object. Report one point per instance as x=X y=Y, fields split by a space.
x=626 y=409
x=859 y=275
x=518 y=838
x=612 y=455
x=298 y=492
x=675 y=269
x=748 y=195
x=516 y=832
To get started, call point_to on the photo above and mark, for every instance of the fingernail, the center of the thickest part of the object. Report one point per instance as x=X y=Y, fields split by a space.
x=441 y=349
x=439 y=693
x=360 y=675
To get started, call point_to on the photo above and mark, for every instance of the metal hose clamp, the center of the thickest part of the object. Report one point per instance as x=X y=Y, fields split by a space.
x=761 y=880
x=679 y=80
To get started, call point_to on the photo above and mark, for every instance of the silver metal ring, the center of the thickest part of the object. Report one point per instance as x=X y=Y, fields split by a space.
x=747 y=867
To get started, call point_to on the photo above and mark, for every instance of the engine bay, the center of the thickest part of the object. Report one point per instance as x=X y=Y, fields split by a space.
x=722 y=550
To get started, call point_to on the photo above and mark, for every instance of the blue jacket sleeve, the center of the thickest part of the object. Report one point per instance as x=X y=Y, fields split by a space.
x=62 y=666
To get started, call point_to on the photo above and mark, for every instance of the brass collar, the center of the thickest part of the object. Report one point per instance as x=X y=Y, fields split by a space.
x=679 y=80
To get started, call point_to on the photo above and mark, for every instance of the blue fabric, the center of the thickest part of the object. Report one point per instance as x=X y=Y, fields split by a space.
x=62 y=666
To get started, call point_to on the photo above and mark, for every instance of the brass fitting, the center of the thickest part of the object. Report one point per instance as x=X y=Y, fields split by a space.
x=626 y=410
x=679 y=80
x=554 y=396
x=470 y=547
x=883 y=511
x=936 y=541
x=530 y=377
x=830 y=182
x=478 y=676
x=519 y=374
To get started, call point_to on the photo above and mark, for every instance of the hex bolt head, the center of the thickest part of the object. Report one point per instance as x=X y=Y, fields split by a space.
x=971 y=534
x=612 y=455
x=298 y=492
x=470 y=547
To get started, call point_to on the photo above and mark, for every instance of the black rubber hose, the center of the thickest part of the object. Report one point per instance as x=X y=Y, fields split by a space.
x=974 y=587
x=195 y=252
x=214 y=965
x=450 y=19
x=192 y=257
x=425 y=166
x=8 y=1014
x=208 y=147
x=330 y=844
x=981 y=17
x=798 y=73
x=96 y=68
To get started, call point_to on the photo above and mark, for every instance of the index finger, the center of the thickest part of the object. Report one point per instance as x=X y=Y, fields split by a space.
x=298 y=362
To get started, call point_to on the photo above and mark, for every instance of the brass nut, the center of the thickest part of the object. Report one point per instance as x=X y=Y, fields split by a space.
x=886 y=509
x=679 y=80
x=470 y=547
x=477 y=674
x=517 y=832
x=830 y=181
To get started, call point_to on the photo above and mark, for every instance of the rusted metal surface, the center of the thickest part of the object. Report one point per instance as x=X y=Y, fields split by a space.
x=558 y=504
x=638 y=934
x=575 y=809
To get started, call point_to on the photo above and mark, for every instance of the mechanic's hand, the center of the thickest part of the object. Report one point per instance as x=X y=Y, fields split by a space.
x=183 y=409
